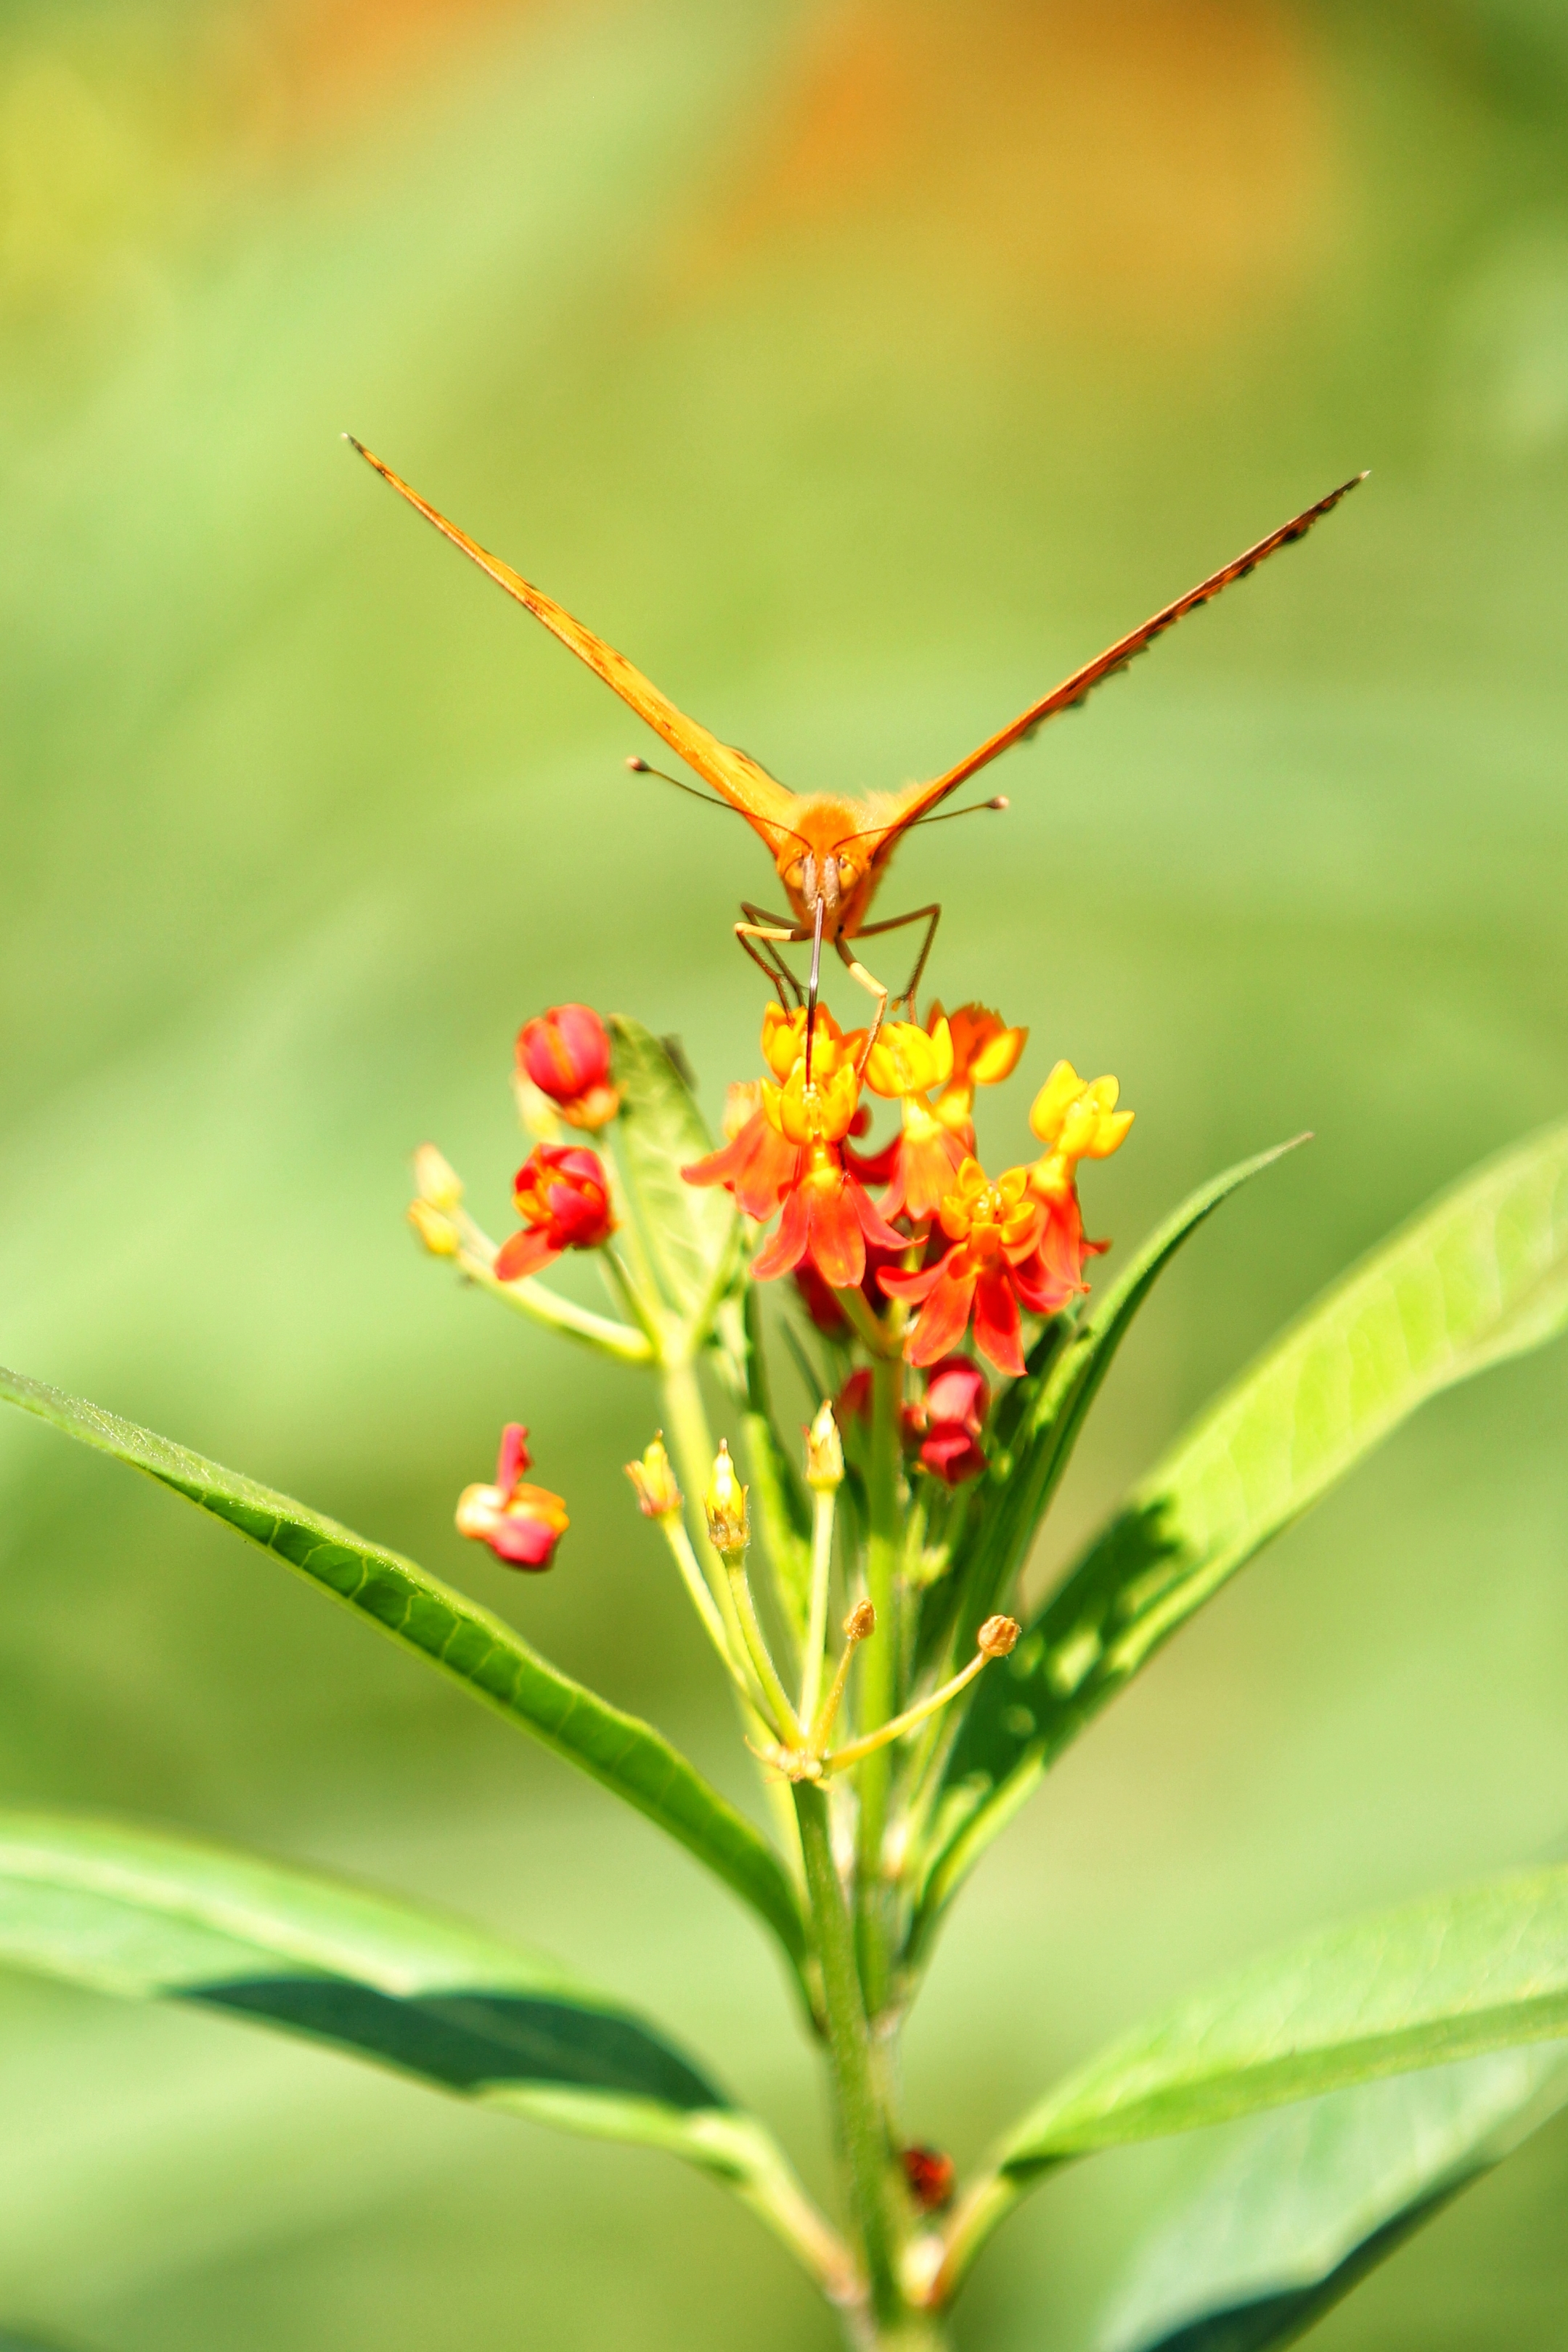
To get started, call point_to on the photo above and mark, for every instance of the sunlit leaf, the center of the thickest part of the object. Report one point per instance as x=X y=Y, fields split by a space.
x=155 y=1917
x=1040 y=1416
x=471 y=1644
x=1447 y=1978
x=688 y=1230
x=1479 y=1277
x=1298 y=2205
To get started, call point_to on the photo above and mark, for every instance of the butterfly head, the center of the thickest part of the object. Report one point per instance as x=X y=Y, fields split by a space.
x=830 y=860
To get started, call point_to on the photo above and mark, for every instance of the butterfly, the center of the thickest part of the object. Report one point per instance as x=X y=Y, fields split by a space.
x=831 y=854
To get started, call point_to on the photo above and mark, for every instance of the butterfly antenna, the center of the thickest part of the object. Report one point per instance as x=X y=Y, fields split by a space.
x=642 y=768
x=974 y=809
x=1000 y=802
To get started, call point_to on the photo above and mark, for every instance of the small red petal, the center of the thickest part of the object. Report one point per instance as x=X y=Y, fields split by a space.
x=943 y=1317
x=838 y=1244
x=514 y=1456
x=788 y=1246
x=916 y=1286
x=524 y=1542
x=875 y=1227
x=525 y=1253
x=997 y=1323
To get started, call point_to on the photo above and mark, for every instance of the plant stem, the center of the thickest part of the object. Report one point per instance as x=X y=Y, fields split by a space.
x=703 y=1601
x=817 y=1622
x=686 y=1420
x=541 y=1304
x=878 y=1675
x=898 y=1726
x=783 y=1712
x=860 y=2122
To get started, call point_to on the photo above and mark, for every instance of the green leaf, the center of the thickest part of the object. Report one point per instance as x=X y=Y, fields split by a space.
x=155 y=1917
x=690 y=1231
x=1298 y=2205
x=478 y=1648
x=1446 y=1978
x=1040 y=1419
x=1479 y=1277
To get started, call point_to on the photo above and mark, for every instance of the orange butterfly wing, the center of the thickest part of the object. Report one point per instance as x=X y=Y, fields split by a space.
x=766 y=805
x=917 y=798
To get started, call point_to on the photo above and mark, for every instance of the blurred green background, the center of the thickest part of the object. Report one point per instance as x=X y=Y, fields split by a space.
x=859 y=368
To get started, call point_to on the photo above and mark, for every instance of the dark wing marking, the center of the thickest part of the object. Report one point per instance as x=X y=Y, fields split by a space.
x=1072 y=689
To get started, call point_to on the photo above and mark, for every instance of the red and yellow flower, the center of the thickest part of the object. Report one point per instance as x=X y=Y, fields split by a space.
x=954 y=1056
x=521 y=1524
x=562 y=1195
x=993 y=1268
x=787 y=1152
x=566 y=1054
x=828 y=1217
x=985 y=1051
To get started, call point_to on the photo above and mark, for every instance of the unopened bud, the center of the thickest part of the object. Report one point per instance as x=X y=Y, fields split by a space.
x=436 y=1180
x=860 y=1622
x=997 y=1636
x=930 y=2175
x=725 y=1503
x=658 y=1495
x=824 y=1454
x=439 y=1234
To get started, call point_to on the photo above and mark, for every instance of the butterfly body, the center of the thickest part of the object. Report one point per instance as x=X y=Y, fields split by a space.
x=829 y=852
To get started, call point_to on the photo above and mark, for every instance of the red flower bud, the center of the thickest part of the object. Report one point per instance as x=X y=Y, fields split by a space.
x=958 y=1399
x=566 y=1054
x=563 y=1198
x=930 y=2176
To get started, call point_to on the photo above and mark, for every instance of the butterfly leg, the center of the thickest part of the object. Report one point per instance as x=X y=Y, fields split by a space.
x=872 y=986
x=771 y=929
x=930 y=916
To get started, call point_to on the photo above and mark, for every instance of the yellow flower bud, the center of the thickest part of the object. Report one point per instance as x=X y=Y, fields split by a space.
x=436 y=1180
x=439 y=1234
x=824 y=1453
x=658 y=1495
x=725 y=1503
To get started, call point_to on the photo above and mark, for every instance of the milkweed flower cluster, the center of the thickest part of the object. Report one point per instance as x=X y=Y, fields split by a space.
x=963 y=1249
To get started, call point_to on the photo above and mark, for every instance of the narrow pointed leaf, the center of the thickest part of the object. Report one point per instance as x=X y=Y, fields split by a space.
x=471 y=1644
x=1479 y=1277
x=1298 y=2205
x=155 y=1918
x=1040 y=1416
x=690 y=1230
x=1447 y=1978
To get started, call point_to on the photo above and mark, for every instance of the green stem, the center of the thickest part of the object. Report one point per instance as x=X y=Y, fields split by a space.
x=542 y=1305
x=987 y=2204
x=859 y=2114
x=685 y=1418
x=878 y=1674
x=703 y=1601
x=784 y=1722
x=817 y=1621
